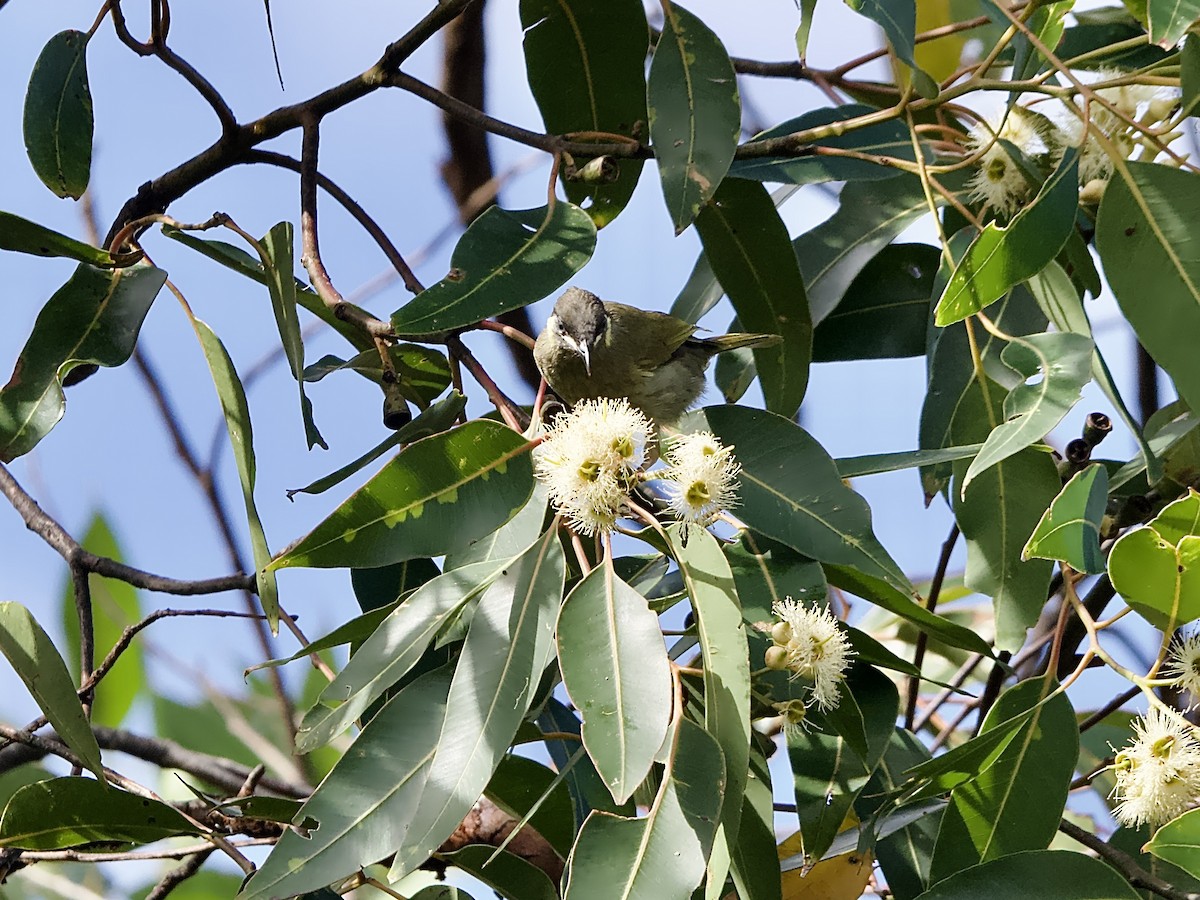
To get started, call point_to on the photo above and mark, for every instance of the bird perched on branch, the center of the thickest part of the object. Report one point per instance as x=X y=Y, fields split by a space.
x=595 y=348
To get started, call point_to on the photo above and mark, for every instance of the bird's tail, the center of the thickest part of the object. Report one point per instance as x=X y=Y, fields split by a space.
x=723 y=342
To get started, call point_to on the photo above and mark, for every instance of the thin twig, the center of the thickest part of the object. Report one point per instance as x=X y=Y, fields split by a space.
x=935 y=590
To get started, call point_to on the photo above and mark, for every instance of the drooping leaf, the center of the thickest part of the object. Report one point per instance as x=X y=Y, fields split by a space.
x=366 y=802
x=833 y=761
x=588 y=791
x=1057 y=875
x=115 y=607
x=436 y=496
x=754 y=860
x=1156 y=568
x=898 y=19
x=1004 y=256
x=506 y=259
x=884 y=313
x=440 y=416
x=747 y=246
x=791 y=491
x=699 y=294
x=69 y=812
x=422 y=373
x=1070 y=529
x=868 y=218
x=93 y=318
x=1170 y=20
x=509 y=540
x=1017 y=803
x=510 y=642
x=1189 y=76
x=58 y=115
x=1054 y=369
x=663 y=854
x=593 y=49
x=23 y=236
x=276 y=250
x=884 y=139
x=722 y=634
x=33 y=657
x=1143 y=233
x=238 y=260
x=241 y=439
x=1109 y=42
x=392 y=649
x=615 y=668
x=695 y=113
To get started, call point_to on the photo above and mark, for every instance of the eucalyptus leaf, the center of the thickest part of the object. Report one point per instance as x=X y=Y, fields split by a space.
x=1070 y=529
x=1178 y=842
x=1057 y=874
x=505 y=260
x=23 y=236
x=898 y=19
x=1156 y=568
x=58 y=115
x=1170 y=20
x=695 y=113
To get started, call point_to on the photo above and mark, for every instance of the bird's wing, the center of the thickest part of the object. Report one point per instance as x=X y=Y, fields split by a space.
x=674 y=332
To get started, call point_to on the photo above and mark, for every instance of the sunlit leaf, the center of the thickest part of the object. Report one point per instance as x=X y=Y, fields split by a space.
x=506 y=259
x=615 y=668
x=1156 y=568
x=695 y=113
x=747 y=246
x=58 y=115
x=33 y=657
x=1170 y=20
x=93 y=318
x=898 y=19
x=1070 y=529
x=1178 y=842
x=69 y=812
x=434 y=497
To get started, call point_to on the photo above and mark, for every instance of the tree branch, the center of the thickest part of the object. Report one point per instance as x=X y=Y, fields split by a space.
x=1124 y=863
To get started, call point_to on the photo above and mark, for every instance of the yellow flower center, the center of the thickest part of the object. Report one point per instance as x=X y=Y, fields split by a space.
x=698 y=494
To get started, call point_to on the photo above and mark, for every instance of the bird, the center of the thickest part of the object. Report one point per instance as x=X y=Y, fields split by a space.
x=592 y=348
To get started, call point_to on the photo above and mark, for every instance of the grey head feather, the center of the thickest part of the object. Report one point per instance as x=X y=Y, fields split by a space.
x=582 y=316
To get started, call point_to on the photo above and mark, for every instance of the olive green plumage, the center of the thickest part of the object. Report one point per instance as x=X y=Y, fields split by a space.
x=594 y=348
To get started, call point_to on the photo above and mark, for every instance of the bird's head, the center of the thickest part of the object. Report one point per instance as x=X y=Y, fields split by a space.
x=580 y=319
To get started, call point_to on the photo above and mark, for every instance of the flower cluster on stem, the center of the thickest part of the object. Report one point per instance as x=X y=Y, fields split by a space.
x=808 y=642
x=1158 y=772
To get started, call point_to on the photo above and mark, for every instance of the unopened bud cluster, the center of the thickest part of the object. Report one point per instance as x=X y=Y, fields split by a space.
x=593 y=457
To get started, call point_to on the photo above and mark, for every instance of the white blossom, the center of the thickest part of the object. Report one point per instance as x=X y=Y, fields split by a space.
x=1158 y=774
x=999 y=181
x=814 y=648
x=589 y=460
x=701 y=478
x=1183 y=664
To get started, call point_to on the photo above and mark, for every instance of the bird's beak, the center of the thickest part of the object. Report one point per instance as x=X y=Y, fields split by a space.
x=587 y=359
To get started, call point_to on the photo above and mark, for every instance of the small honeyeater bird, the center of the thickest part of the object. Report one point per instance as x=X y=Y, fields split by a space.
x=595 y=348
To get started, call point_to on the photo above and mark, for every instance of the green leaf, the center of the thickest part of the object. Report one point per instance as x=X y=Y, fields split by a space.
x=70 y=812
x=93 y=318
x=884 y=313
x=791 y=491
x=593 y=49
x=1070 y=529
x=510 y=642
x=997 y=516
x=1170 y=20
x=695 y=113
x=898 y=19
x=1057 y=875
x=238 y=260
x=868 y=218
x=615 y=669
x=722 y=633
x=747 y=245
x=754 y=861
x=857 y=466
x=392 y=649
x=276 y=250
x=510 y=876
x=114 y=608
x=583 y=782
x=1054 y=369
x=883 y=139
x=1004 y=256
x=241 y=439
x=1178 y=842
x=1109 y=43
x=699 y=294
x=33 y=657
x=440 y=416
x=366 y=801
x=509 y=540
x=525 y=788
x=1143 y=230
x=422 y=373
x=506 y=259
x=434 y=497
x=1017 y=803
x=1156 y=568
x=58 y=115
x=1063 y=306
x=663 y=854
x=832 y=761
x=24 y=236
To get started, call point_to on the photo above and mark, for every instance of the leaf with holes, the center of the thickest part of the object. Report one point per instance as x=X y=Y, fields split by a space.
x=506 y=259
x=695 y=113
